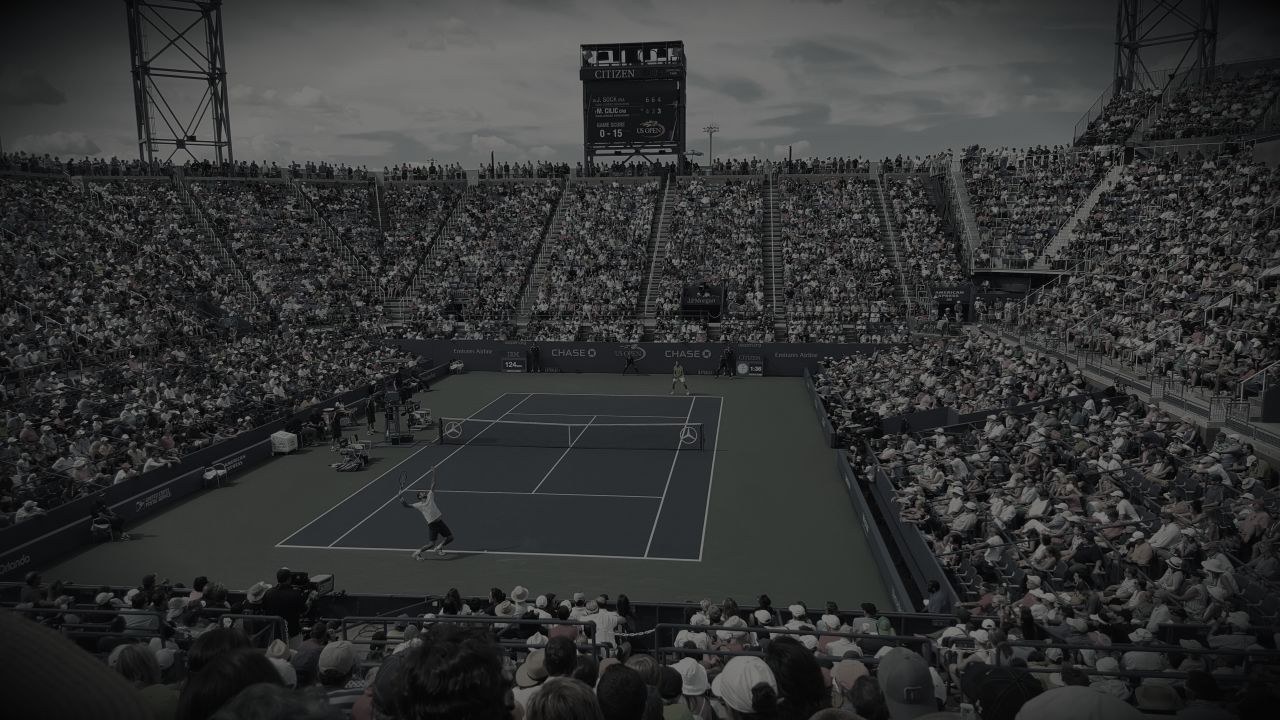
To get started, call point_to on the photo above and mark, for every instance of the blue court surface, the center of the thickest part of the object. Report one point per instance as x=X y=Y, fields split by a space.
x=554 y=478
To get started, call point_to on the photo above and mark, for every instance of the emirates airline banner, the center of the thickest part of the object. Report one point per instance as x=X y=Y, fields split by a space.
x=790 y=359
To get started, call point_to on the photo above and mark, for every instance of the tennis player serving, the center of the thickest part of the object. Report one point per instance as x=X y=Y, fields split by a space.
x=436 y=527
x=677 y=376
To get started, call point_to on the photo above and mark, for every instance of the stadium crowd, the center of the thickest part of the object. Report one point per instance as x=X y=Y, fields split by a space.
x=1179 y=286
x=715 y=242
x=592 y=277
x=930 y=258
x=271 y=230
x=1021 y=197
x=836 y=271
x=108 y=373
x=476 y=269
x=199 y=653
x=1121 y=116
x=971 y=374
x=1099 y=522
x=1225 y=106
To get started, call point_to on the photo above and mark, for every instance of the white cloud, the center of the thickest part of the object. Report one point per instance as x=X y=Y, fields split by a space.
x=58 y=143
x=799 y=148
x=485 y=144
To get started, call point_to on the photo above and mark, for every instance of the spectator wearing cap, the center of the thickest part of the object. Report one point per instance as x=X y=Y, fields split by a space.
x=1077 y=703
x=1140 y=553
x=670 y=685
x=337 y=665
x=1143 y=660
x=907 y=684
x=745 y=688
x=694 y=688
x=605 y=620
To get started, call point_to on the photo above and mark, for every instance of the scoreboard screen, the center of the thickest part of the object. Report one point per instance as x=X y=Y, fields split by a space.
x=632 y=112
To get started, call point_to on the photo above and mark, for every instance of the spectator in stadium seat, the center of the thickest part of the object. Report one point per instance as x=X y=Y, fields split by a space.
x=745 y=688
x=226 y=674
x=801 y=692
x=605 y=620
x=266 y=701
x=337 y=666
x=215 y=642
x=564 y=699
x=288 y=602
x=456 y=673
x=907 y=684
x=621 y=693
x=530 y=676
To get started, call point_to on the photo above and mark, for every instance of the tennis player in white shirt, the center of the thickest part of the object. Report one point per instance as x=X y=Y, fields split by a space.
x=436 y=527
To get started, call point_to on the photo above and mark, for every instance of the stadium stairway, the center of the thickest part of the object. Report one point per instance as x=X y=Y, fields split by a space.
x=966 y=221
x=336 y=243
x=659 y=241
x=546 y=245
x=889 y=244
x=215 y=247
x=417 y=281
x=774 y=265
x=1067 y=232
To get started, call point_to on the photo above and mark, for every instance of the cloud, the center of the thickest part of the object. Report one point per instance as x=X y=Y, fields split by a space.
x=740 y=88
x=799 y=148
x=485 y=144
x=543 y=152
x=306 y=97
x=28 y=88
x=58 y=143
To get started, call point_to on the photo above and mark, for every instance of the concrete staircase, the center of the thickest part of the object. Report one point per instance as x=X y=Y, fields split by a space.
x=774 y=264
x=1067 y=232
x=965 y=219
x=546 y=245
x=326 y=231
x=904 y=294
x=659 y=240
x=417 y=280
x=216 y=247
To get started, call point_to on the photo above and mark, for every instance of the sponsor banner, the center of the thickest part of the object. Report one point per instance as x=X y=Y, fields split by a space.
x=790 y=359
x=875 y=543
x=953 y=293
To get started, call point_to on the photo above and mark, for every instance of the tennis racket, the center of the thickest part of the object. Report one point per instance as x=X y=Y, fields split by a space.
x=402 y=485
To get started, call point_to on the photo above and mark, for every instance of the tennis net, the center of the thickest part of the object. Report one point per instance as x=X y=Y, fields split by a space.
x=602 y=436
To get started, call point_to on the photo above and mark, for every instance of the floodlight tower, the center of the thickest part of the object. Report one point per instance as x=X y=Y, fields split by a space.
x=179 y=42
x=1145 y=24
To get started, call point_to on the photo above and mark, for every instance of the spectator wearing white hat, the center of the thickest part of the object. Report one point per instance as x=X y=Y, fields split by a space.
x=744 y=688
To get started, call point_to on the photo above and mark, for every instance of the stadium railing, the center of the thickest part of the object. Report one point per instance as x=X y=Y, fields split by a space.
x=354 y=628
x=663 y=651
x=261 y=629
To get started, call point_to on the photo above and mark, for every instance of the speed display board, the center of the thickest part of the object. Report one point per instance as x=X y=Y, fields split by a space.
x=630 y=112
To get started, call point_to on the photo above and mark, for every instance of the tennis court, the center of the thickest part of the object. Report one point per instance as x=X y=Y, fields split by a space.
x=554 y=474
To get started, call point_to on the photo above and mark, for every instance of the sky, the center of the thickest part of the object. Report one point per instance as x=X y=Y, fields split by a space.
x=375 y=82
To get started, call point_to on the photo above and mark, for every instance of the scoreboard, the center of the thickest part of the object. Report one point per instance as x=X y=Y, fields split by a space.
x=633 y=100
x=622 y=112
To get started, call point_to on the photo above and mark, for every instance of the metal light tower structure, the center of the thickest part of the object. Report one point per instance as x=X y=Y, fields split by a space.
x=180 y=42
x=1145 y=24
x=711 y=131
